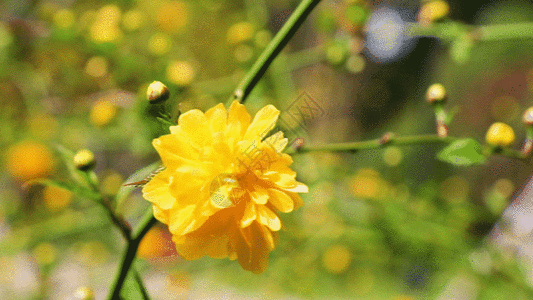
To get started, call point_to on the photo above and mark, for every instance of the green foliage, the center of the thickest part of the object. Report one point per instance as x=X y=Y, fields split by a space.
x=464 y=152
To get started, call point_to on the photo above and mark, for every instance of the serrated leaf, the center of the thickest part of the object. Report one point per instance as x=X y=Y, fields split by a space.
x=463 y=152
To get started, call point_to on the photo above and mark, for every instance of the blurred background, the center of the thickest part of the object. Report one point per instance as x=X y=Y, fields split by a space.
x=388 y=224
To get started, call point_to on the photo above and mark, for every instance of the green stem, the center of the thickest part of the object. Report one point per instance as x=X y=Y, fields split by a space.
x=118 y=220
x=140 y=283
x=402 y=141
x=128 y=257
x=450 y=31
x=377 y=143
x=273 y=49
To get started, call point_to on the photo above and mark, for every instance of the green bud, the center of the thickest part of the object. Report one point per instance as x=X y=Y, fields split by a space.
x=84 y=160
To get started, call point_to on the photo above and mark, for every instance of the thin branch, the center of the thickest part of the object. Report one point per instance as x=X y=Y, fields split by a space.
x=128 y=257
x=273 y=49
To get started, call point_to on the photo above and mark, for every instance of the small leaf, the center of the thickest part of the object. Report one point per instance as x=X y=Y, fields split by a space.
x=463 y=152
x=126 y=189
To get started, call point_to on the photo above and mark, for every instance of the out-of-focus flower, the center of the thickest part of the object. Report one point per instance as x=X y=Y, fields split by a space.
x=96 y=66
x=83 y=293
x=102 y=112
x=29 y=160
x=180 y=72
x=56 y=198
x=133 y=20
x=105 y=27
x=223 y=184
x=336 y=259
x=173 y=16
x=159 y=43
x=433 y=11
x=240 y=32
x=367 y=183
x=155 y=244
x=500 y=135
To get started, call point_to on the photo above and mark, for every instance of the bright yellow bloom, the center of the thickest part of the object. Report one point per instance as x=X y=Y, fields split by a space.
x=223 y=184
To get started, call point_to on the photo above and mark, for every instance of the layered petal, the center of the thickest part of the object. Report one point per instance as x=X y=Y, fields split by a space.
x=224 y=184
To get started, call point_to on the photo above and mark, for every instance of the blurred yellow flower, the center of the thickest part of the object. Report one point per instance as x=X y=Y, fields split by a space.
x=180 y=72
x=105 y=27
x=159 y=43
x=102 y=112
x=433 y=11
x=29 y=160
x=367 y=183
x=133 y=20
x=56 y=198
x=155 y=244
x=223 y=184
x=96 y=66
x=172 y=16
x=336 y=259
x=240 y=32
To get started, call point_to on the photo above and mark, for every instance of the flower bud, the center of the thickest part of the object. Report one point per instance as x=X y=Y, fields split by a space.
x=83 y=293
x=157 y=92
x=436 y=93
x=84 y=160
x=500 y=135
x=527 y=118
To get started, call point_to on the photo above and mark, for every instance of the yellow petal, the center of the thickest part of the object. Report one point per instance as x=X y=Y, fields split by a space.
x=264 y=121
x=299 y=188
x=184 y=220
x=175 y=149
x=280 y=200
x=157 y=191
x=196 y=126
x=276 y=141
x=238 y=119
x=159 y=214
x=259 y=196
x=268 y=218
x=250 y=214
x=252 y=249
x=217 y=117
x=268 y=236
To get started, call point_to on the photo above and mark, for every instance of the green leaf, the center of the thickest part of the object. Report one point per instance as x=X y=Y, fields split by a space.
x=74 y=188
x=68 y=157
x=125 y=190
x=463 y=152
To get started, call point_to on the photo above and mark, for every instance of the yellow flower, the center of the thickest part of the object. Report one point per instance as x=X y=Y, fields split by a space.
x=223 y=184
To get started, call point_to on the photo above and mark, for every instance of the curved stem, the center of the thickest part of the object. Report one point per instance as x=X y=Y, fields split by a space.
x=128 y=257
x=273 y=49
